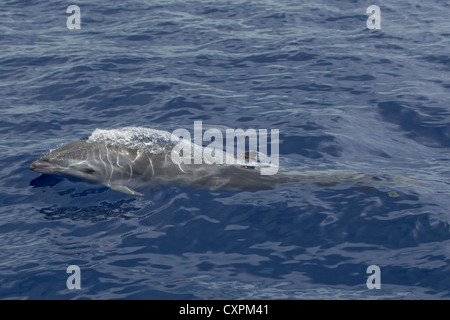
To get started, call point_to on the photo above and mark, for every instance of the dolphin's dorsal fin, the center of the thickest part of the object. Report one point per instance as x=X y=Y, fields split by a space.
x=124 y=189
x=247 y=156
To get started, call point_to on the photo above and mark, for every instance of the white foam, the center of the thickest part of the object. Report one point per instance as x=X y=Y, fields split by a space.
x=137 y=138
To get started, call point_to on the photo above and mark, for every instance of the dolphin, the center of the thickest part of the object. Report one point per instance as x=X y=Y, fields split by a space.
x=124 y=169
x=125 y=163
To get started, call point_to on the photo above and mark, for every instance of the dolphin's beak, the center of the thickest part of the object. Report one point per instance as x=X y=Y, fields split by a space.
x=39 y=165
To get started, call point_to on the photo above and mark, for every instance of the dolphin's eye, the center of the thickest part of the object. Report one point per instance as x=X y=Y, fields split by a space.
x=89 y=170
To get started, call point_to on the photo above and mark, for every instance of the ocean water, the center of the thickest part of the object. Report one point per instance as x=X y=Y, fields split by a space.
x=342 y=96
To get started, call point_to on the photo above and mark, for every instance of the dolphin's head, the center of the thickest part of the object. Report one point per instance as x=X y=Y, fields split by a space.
x=69 y=160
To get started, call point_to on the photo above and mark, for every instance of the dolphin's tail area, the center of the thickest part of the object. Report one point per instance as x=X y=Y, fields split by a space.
x=333 y=177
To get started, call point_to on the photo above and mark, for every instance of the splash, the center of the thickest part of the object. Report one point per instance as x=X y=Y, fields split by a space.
x=136 y=138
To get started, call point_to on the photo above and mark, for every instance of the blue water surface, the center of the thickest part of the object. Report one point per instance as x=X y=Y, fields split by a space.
x=342 y=96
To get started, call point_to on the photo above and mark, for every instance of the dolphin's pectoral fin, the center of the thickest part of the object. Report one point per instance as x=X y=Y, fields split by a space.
x=124 y=189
